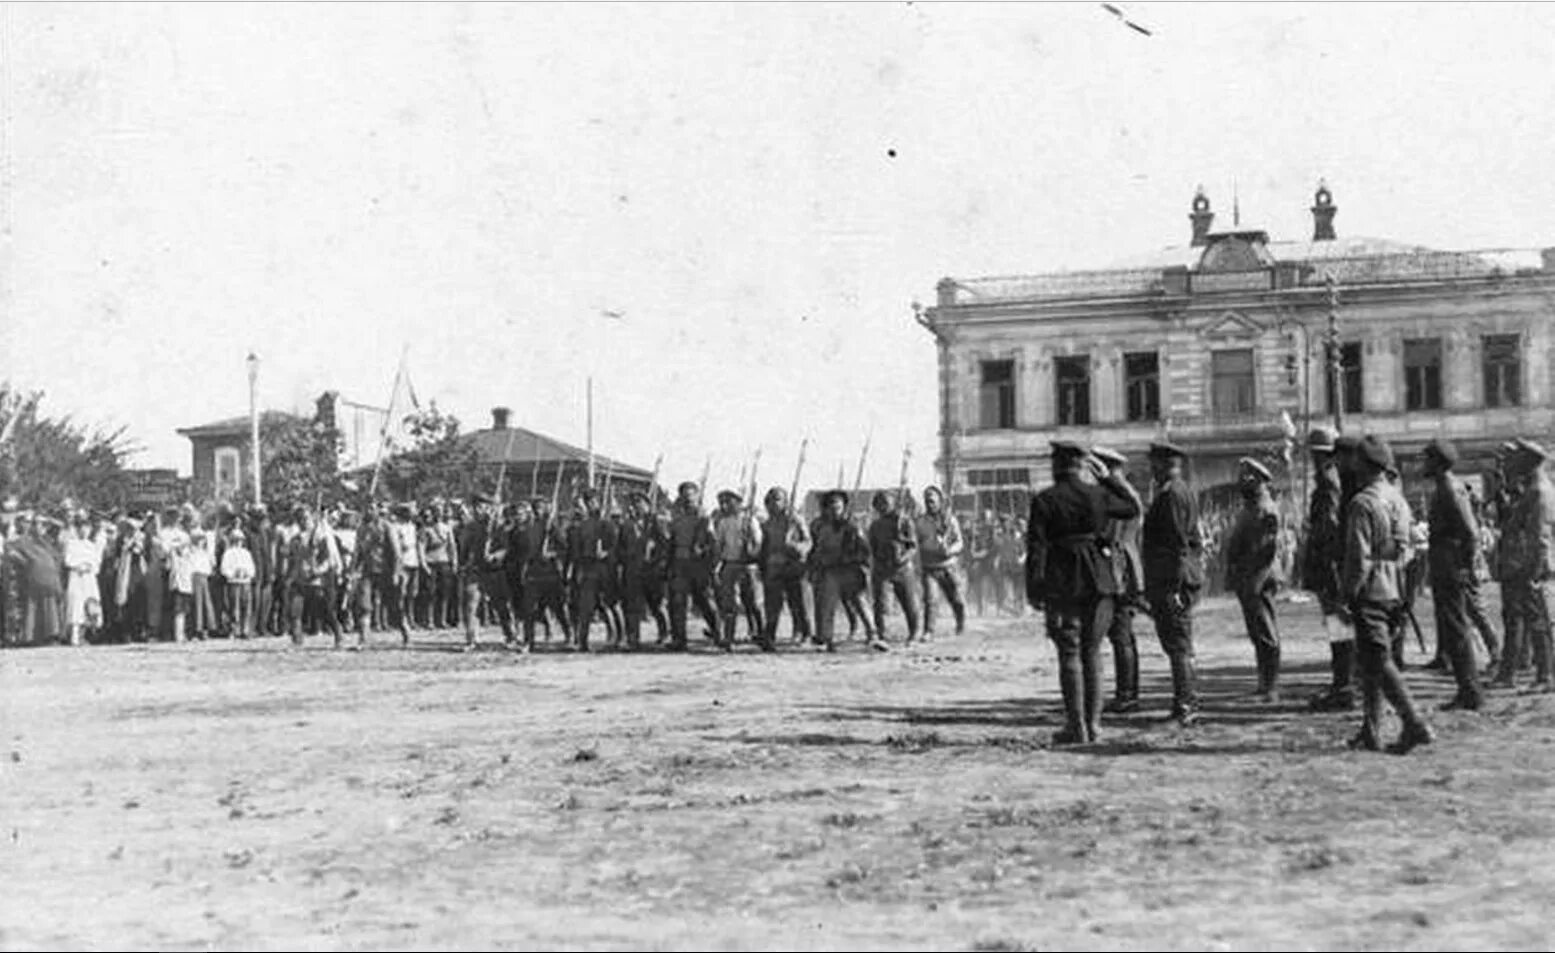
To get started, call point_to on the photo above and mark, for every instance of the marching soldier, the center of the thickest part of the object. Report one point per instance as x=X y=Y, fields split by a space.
x=785 y=546
x=534 y=573
x=837 y=557
x=1173 y=551
x=1377 y=538
x=892 y=544
x=939 y=550
x=482 y=544
x=1251 y=574
x=1450 y=560
x=639 y=546
x=737 y=546
x=1129 y=572
x=690 y=564
x=1528 y=565
x=1070 y=577
x=591 y=543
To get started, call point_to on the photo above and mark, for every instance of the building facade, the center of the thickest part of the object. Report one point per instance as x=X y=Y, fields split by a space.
x=1231 y=343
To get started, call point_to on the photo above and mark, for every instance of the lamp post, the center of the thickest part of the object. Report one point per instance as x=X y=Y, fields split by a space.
x=1335 y=384
x=253 y=419
x=1290 y=326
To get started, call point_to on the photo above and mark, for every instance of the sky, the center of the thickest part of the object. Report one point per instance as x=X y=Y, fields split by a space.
x=760 y=190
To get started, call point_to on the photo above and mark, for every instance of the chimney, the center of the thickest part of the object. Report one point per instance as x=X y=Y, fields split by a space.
x=1323 y=209
x=499 y=418
x=324 y=409
x=945 y=292
x=1202 y=218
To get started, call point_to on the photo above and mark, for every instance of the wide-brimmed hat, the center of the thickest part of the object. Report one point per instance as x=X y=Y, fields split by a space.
x=1375 y=451
x=730 y=495
x=1253 y=468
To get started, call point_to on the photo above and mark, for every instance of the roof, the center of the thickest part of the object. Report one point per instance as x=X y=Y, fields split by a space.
x=519 y=447
x=230 y=426
x=1355 y=260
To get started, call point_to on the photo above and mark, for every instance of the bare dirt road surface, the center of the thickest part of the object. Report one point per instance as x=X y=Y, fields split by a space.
x=234 y=795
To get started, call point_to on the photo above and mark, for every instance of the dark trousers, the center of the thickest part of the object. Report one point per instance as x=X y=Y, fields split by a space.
x=1125 y=651
x=899 y=583
x=1530 y=609
x=830 y=586
x=1450 y=598
x=1172 y=614
x=945 y=579
x=240 y=608
x=590 y=581
x=1264 y=630
x=315 y=600
x=736 y=594
x=1379 y=675
x=688 y=585
x=1076 y=630
x=641 y=594
x=443 y=584
x=492 y=586
x=780 y=588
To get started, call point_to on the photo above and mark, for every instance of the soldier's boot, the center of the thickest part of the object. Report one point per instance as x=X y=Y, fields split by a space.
x=959 y=608
x=1125 y=668
x=1542 y=662
x=1416 y=732
x=1070 y=685
x=1340 y=696
x=1272 y=679
x=1461 y=658
x=1092 y=697
x=1185 y=695
x=730 y=624
x=1369 y=738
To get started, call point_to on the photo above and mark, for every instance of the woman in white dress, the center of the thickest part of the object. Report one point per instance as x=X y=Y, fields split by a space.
x=83 y=557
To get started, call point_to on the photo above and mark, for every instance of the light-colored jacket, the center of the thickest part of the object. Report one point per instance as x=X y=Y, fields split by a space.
x=1376 y=545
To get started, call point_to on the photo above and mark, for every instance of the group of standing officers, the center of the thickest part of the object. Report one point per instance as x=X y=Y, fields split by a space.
x=1096 y=554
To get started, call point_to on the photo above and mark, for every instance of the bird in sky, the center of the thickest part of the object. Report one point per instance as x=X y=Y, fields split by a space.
x=613 y=315
x=1117 y=12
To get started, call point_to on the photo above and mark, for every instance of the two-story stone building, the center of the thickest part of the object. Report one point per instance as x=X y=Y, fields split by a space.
x=1221 y=345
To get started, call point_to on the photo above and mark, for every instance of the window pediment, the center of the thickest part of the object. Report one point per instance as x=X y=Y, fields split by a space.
x=1231 y=325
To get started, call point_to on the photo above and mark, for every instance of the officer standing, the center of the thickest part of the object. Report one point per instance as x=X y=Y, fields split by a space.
x=1450 y=561
x=1069 y=576
x=1528 y=565
x=1173 y=552
x=785 y=545
x=1250 y=571
x=892 y=545
x=1377 y=538
x=1129 y=571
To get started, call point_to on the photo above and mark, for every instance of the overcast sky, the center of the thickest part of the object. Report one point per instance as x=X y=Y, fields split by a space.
x=762 y=191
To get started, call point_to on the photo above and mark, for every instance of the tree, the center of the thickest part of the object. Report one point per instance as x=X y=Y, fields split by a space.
x=45 y=460
x=438 y=462
x=300 y=458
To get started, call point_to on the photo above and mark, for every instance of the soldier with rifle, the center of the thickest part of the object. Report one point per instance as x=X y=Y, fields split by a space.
x=785 y=547
x=483 y=543
x=836 y=560
x=591 y=546
x=690 y=564
x=893 y=547
x=736 y=547
x=939 y=551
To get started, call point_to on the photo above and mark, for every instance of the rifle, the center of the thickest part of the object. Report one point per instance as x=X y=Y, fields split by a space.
x=793 y=494
x=502 y=472
x=901 y=485
x=653 y=484
x=609 y=483
x=750 y=506
x=702 y=485
x=858 y=478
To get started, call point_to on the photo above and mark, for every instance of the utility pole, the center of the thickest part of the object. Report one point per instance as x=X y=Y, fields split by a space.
x=1335 y=368
x=253 y=420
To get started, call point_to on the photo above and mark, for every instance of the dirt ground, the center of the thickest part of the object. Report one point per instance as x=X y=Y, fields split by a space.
x=234 y=795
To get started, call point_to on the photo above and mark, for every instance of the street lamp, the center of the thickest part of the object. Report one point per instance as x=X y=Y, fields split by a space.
x=1335 y=384
x=253 y=419
x=1290 y=326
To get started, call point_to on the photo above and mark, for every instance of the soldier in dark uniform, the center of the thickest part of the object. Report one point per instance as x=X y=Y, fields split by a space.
x=1376 y=540
x=690 y=564
x=893 y=544
x=837 y=558
x=591 y=543
x=1454 y=541
x=1172 y=550
x=1251 y=573
x=1332 y=458
x=785 y=546
x=1528 y=567
x=374 y=559
x=482 y=544
x=1129 y=572
x=638 y=549
x=1069 y=576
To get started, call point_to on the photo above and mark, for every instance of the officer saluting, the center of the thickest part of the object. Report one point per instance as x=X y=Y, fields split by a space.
x=1069 y=575
x=1173 y=553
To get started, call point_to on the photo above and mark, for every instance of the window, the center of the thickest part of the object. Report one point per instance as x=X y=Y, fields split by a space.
x=1232 y=381
x=1142 y=384
x=228 y=475
x=1350 y=394
x=1074 y=389
x=1003 y=476
x=1503 y=370
x=997 y=396
x=1423 y=374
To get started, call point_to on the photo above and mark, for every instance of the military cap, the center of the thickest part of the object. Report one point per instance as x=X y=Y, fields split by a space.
x=830 y=495
x=729 y=495
x=935 y=491
x=1066 y=448
x=1527 y=448
x=688 y=485
x=1375 y=451
x=1346 y=441
x=1321 y=439
x=1251 y=467
x=1442 y=450
x=1507 y=448
x=1163 y=449
x=776 y=493
x=880 y=497
x=1108 y=455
